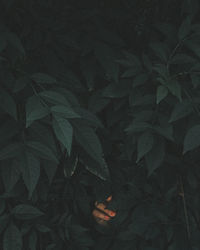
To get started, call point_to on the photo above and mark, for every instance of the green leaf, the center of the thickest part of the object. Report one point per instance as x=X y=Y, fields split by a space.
x=12 y=238
x=11 y=174
x=10 y=151
x=65 y=111
x=131 y=59
x=106 y=57
x=70 y=164
x=92 y=119
x=26 y=212
x=21 y=83
x=155 y=157
x=51 y=246
x=2 y=206
x=8 y=104
x=4 y=220
x=43 y=78
x=42 y=150
x=161 y=50
x=144 y=145
x=50 y=168
x=97 y=102
x=139 y=80
x=184 y=29
x=182 y=59
x=54 y=97
x=3 y=42
x=165 y=130
x=33 y=241
x=136 y=126
x=130 y=72
x=195 y=80
x=89 y=68
x=14 y=40
x=90 y=142
x=192 y=139
x=30 y=168
x=35 y=110
x=117 y=90
x=162 y=92
x=175 y=88
x=181 y=110
x=63 y=131
x=43 y=228
x=88 y=139
x=36 y=115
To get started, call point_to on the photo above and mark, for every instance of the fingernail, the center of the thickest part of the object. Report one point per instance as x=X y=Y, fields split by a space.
x=112 y=213
x=107 y=217
x=109 y=198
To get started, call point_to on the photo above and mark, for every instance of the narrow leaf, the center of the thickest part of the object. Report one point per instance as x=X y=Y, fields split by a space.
x=63 y=131
x=192 y=139
x=30 y=168
x=155 y=157
x=145 y=144
x=162 y=92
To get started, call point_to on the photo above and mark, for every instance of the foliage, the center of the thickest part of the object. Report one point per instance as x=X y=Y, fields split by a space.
x=99 y=98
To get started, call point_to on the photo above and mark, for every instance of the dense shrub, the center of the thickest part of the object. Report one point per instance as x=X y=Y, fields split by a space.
x=99 y=98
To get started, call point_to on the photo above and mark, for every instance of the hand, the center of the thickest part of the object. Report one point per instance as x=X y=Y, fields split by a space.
x=101 y=214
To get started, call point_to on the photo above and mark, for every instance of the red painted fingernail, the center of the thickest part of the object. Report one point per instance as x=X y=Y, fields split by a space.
x=112 y=213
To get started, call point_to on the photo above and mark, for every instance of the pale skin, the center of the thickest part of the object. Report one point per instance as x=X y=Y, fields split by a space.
x=104 y=215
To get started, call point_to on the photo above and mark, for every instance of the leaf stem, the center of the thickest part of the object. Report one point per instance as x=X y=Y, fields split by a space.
x=185 y=208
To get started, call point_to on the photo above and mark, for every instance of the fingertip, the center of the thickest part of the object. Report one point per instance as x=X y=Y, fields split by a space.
x=107 y=217
x=109 y=198
x=112 y=213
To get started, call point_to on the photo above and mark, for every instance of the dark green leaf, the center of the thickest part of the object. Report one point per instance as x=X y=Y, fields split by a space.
x=12 y=238
x=30 y=168
x=3 y=42
x=43 y=228
x=42 y=150
x=14 y=40
x=192 y=139
x=162 y=92
x=63 y=131
x=54 y=97
x=175 y=88
x=144 y=145
x=8 y=104
x=26 y=212
x=181 y=110
x=10 y=151
x=155 y=157
x=36 y=114
x=11 y=174
x=43 y=78
x=184 y=29
x=65 y=111
x=33 y=240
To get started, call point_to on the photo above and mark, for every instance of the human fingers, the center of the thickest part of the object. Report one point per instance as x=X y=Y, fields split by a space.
x=102 y=207
x=97 y=214
x=101 y=221
x=109 y=198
